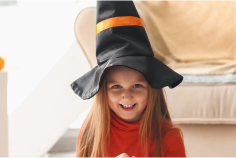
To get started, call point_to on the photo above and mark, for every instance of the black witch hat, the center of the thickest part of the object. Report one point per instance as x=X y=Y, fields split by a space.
x=122 y=40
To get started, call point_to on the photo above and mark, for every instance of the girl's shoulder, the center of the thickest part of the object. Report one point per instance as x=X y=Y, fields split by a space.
x=173 y=141
x=170 y=130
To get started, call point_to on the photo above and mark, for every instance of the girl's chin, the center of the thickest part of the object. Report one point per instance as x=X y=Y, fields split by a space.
x=129 y=119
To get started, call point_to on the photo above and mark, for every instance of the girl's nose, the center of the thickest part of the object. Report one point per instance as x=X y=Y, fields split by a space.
x=127 y=94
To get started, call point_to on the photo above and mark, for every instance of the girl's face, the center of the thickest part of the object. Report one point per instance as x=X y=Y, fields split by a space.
x=127 y=92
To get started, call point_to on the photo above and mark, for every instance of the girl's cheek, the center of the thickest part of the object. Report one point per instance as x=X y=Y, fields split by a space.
x=140 y=92
x=113 y=96
x=113 y=92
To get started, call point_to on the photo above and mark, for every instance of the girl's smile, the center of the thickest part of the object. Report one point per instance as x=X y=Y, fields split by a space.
x=128 y=107
x=127 y=92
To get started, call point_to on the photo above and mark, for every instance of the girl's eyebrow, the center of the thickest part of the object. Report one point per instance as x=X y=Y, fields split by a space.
x=111 y=81
x=139 y=80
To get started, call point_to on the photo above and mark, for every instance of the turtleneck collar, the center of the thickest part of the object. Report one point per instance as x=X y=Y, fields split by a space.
x=122 y=125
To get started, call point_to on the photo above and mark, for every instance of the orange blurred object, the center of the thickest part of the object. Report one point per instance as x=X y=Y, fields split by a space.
x=2 y=62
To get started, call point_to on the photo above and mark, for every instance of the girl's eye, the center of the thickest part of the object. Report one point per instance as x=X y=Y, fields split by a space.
x=116 y=86
x=137 y=85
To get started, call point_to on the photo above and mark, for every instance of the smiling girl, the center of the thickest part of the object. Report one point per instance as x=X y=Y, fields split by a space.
x=129 y=114
x=132 y=116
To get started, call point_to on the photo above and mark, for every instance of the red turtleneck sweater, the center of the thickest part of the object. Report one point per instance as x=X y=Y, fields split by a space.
x=124 y=138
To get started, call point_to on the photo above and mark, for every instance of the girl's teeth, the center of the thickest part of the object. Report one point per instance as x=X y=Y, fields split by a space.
x=127 y=105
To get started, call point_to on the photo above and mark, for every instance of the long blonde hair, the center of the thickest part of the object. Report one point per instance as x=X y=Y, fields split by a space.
x=96 y=127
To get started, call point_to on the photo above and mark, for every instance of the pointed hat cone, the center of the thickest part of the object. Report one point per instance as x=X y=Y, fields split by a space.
x=122 y=40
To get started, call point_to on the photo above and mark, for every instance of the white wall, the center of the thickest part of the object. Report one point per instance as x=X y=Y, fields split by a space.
x=34 y=36
x=46 y=3
x=3 y=115
x=42 y=60
x=45 y=115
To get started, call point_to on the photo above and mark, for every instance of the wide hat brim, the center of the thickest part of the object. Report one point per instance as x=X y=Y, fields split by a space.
x=157 y=74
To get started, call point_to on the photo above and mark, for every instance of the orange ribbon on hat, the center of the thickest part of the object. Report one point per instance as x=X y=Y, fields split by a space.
x=118 y=21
